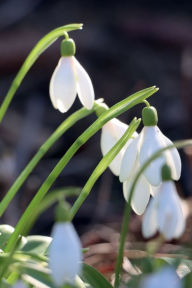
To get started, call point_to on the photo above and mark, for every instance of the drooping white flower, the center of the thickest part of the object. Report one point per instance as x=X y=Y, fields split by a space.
x=129 y=168
x=70 y=79
x=65 y=254
x=150 y=140
x=111 y=132
x=166 y=278
x=164 y=214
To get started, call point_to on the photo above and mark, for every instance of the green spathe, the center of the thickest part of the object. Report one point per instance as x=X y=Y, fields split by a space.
x=68 y=48
x=62 y=212
x=149 y=116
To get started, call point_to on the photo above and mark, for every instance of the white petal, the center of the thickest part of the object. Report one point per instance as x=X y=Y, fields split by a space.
x=140 y=196
x=155 y=190
x=84 y=86
x=173 y=158
x=112 y=131
x=63 y=88
x=129 y=159
x=151 y=143
x=65 y=254
x=166 y=278
x=149 y=223
x=170 y=217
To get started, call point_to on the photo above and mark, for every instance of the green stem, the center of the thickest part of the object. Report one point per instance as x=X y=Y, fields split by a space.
x=124 y=229
x=102 y=166
x=146 y=103
x=127 y=211
x=40 y=47
x=63 y=127
x=114 y=111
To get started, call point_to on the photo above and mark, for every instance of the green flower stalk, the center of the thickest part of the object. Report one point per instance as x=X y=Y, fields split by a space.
x=40 y=47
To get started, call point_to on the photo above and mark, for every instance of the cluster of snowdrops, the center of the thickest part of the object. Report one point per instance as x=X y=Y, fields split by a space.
x=146 y=163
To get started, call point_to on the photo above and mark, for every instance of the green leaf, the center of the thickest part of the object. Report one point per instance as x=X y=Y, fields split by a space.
x=95 y=279
x=37 y=244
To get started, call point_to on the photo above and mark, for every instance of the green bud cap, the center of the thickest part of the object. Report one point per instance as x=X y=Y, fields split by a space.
x=166 y=173
x=62 y=212
x=68 y=47
x=149 y=116
x=101 y=108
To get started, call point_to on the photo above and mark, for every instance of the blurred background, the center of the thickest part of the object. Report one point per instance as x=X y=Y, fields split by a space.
x=125 y=46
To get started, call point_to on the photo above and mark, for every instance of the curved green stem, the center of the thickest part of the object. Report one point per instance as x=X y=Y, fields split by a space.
x=63 y=127
x=127 y=211
x=114 y=111
x=102 y=166
x=40 y=47
x=146 y=103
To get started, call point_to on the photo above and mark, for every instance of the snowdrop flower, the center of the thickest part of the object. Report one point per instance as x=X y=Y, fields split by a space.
x=142 y=191
x=166 y=278
x=164 y=212
x=111 y=132
x=65 y=254
x=150 y=140
x=69 y=79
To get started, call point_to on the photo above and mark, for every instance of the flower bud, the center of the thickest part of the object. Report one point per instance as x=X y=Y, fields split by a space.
x=68 y=48
x=149 y=116
x=62 y=212
x=65 y=254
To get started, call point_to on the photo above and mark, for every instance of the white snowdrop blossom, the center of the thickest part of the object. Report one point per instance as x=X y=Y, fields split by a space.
x=150 y=140
x=65 y=254
x=164 y=213
x=111 y=132
x=70 y=79
x=166 y=278
x=129 y=167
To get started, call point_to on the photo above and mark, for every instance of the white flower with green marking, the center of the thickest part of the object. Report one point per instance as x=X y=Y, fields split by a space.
x=149 y=141
x=65 y=254
x=70 y=79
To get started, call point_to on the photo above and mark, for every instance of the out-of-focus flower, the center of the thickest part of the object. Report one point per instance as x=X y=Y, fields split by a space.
x=19 y=284
x=70 y=79
x=150 y=140
x=65 y=254
x=166 y=278
x=164 y=213
x=111 y=132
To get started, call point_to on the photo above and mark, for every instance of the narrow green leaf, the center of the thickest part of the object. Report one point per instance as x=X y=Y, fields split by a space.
x=91 y=276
